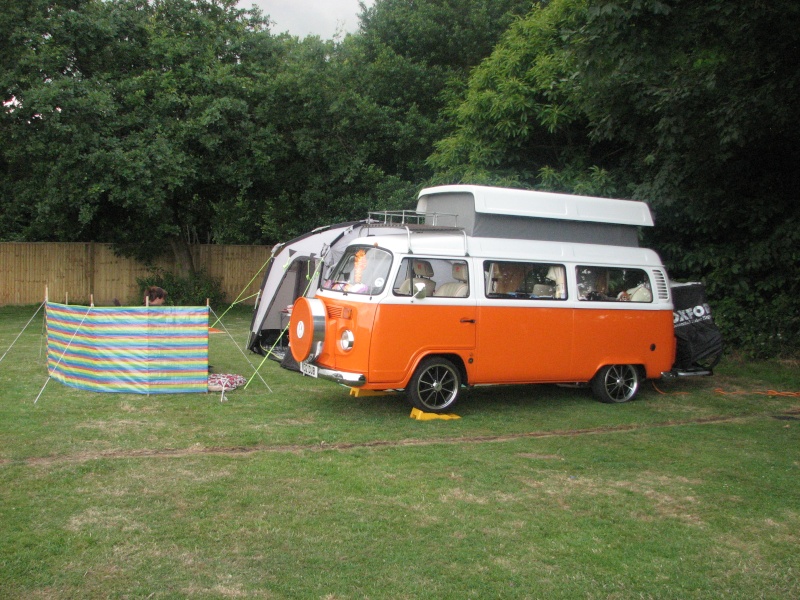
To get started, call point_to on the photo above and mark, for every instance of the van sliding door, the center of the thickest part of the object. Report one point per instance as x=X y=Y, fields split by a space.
x=525 y=327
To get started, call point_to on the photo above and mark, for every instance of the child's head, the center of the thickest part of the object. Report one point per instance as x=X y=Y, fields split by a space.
x=155 y=296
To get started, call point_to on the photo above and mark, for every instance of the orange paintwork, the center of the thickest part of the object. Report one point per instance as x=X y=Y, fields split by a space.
x=524 y=343
x=504 y=344
x=623 y=337
x=528 y=344
x=362 y=316
x=404 y=334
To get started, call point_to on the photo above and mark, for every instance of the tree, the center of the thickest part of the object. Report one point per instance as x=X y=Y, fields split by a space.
x=133 y=121
x=690 y=106
x=325 y=170
x=707 y=117
x=358 y=116
x=515 y=124
x=154 y=123
x=409 y=57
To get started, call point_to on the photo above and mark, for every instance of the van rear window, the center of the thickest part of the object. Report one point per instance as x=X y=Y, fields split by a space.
x=611 y=284
x=523 y=280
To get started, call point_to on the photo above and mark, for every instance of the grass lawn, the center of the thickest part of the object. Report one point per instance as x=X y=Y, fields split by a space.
x=692 y=491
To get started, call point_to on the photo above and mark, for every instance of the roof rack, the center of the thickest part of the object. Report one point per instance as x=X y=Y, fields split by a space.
x=414 y=219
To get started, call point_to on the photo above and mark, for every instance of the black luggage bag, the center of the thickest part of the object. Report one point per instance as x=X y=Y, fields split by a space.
x=699 y=342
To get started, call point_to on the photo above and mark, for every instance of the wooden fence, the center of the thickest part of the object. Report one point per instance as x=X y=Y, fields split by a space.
x=74 y=272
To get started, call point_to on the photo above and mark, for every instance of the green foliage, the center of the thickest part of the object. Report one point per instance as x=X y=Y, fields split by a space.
x=134 y=122
x=690 y=106
x=409 y=58
x=152 y=125
x=514 y=121
x=706 y=125
x=193 y=290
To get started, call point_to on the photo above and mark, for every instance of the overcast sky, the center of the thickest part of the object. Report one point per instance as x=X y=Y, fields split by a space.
x=304 y=17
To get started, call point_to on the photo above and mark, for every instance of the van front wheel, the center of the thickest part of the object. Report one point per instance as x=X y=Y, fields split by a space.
x=616 y=383
x=435 y=385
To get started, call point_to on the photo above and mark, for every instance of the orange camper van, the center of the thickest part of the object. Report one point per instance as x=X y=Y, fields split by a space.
x=486 y=286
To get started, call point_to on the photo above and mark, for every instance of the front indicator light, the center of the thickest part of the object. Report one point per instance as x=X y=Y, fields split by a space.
x=346 y=340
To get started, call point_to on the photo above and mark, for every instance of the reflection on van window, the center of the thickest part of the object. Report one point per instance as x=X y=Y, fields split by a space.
x=525 y=280
x=440 y=277
x=612 y=284
x=362 y=270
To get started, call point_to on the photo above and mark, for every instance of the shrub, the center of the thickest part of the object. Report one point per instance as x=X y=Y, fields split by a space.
x=185 y=291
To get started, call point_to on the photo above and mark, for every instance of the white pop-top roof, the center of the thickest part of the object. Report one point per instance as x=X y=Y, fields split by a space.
x=544 y=205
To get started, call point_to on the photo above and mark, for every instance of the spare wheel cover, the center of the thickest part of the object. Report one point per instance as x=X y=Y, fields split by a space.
x=306 y=328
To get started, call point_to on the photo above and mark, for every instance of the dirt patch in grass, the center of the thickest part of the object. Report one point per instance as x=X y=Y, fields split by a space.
x=666 y=496
x=104 y=518
x=198 y=450
x=534 y=456
x=115 y=426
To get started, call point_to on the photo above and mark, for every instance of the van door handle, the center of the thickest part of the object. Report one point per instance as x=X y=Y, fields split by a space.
x=465 y=320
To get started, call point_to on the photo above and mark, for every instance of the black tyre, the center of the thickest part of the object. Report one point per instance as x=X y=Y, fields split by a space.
x=616 y=383
x=435 y=385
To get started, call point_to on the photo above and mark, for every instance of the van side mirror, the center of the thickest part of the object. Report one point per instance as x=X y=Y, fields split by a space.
x=421 y=291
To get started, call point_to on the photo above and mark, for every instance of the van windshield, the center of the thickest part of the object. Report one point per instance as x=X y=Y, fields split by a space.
x=362 y=270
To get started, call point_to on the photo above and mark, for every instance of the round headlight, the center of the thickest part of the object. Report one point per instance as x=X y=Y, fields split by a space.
x=346 y=340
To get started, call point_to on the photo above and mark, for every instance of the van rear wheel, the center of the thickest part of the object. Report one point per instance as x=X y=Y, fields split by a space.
x=435 y=385
x=616 y=383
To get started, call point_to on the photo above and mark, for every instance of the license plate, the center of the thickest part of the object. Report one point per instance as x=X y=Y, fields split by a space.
x=308 y=369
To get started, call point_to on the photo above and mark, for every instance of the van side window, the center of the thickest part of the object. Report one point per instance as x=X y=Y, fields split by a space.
x=537 y=281
x=441 y=277
x=601 y=284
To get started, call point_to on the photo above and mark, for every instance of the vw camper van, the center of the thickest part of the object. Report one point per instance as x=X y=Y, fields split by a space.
x=487 y=286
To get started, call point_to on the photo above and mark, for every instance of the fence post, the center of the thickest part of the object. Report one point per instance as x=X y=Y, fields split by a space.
x=90 y=268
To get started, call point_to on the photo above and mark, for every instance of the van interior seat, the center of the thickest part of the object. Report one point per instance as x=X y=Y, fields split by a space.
x=458 y=288
x=508 y=278
x=542 y=290
x=423 y=271
x=640 y=294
